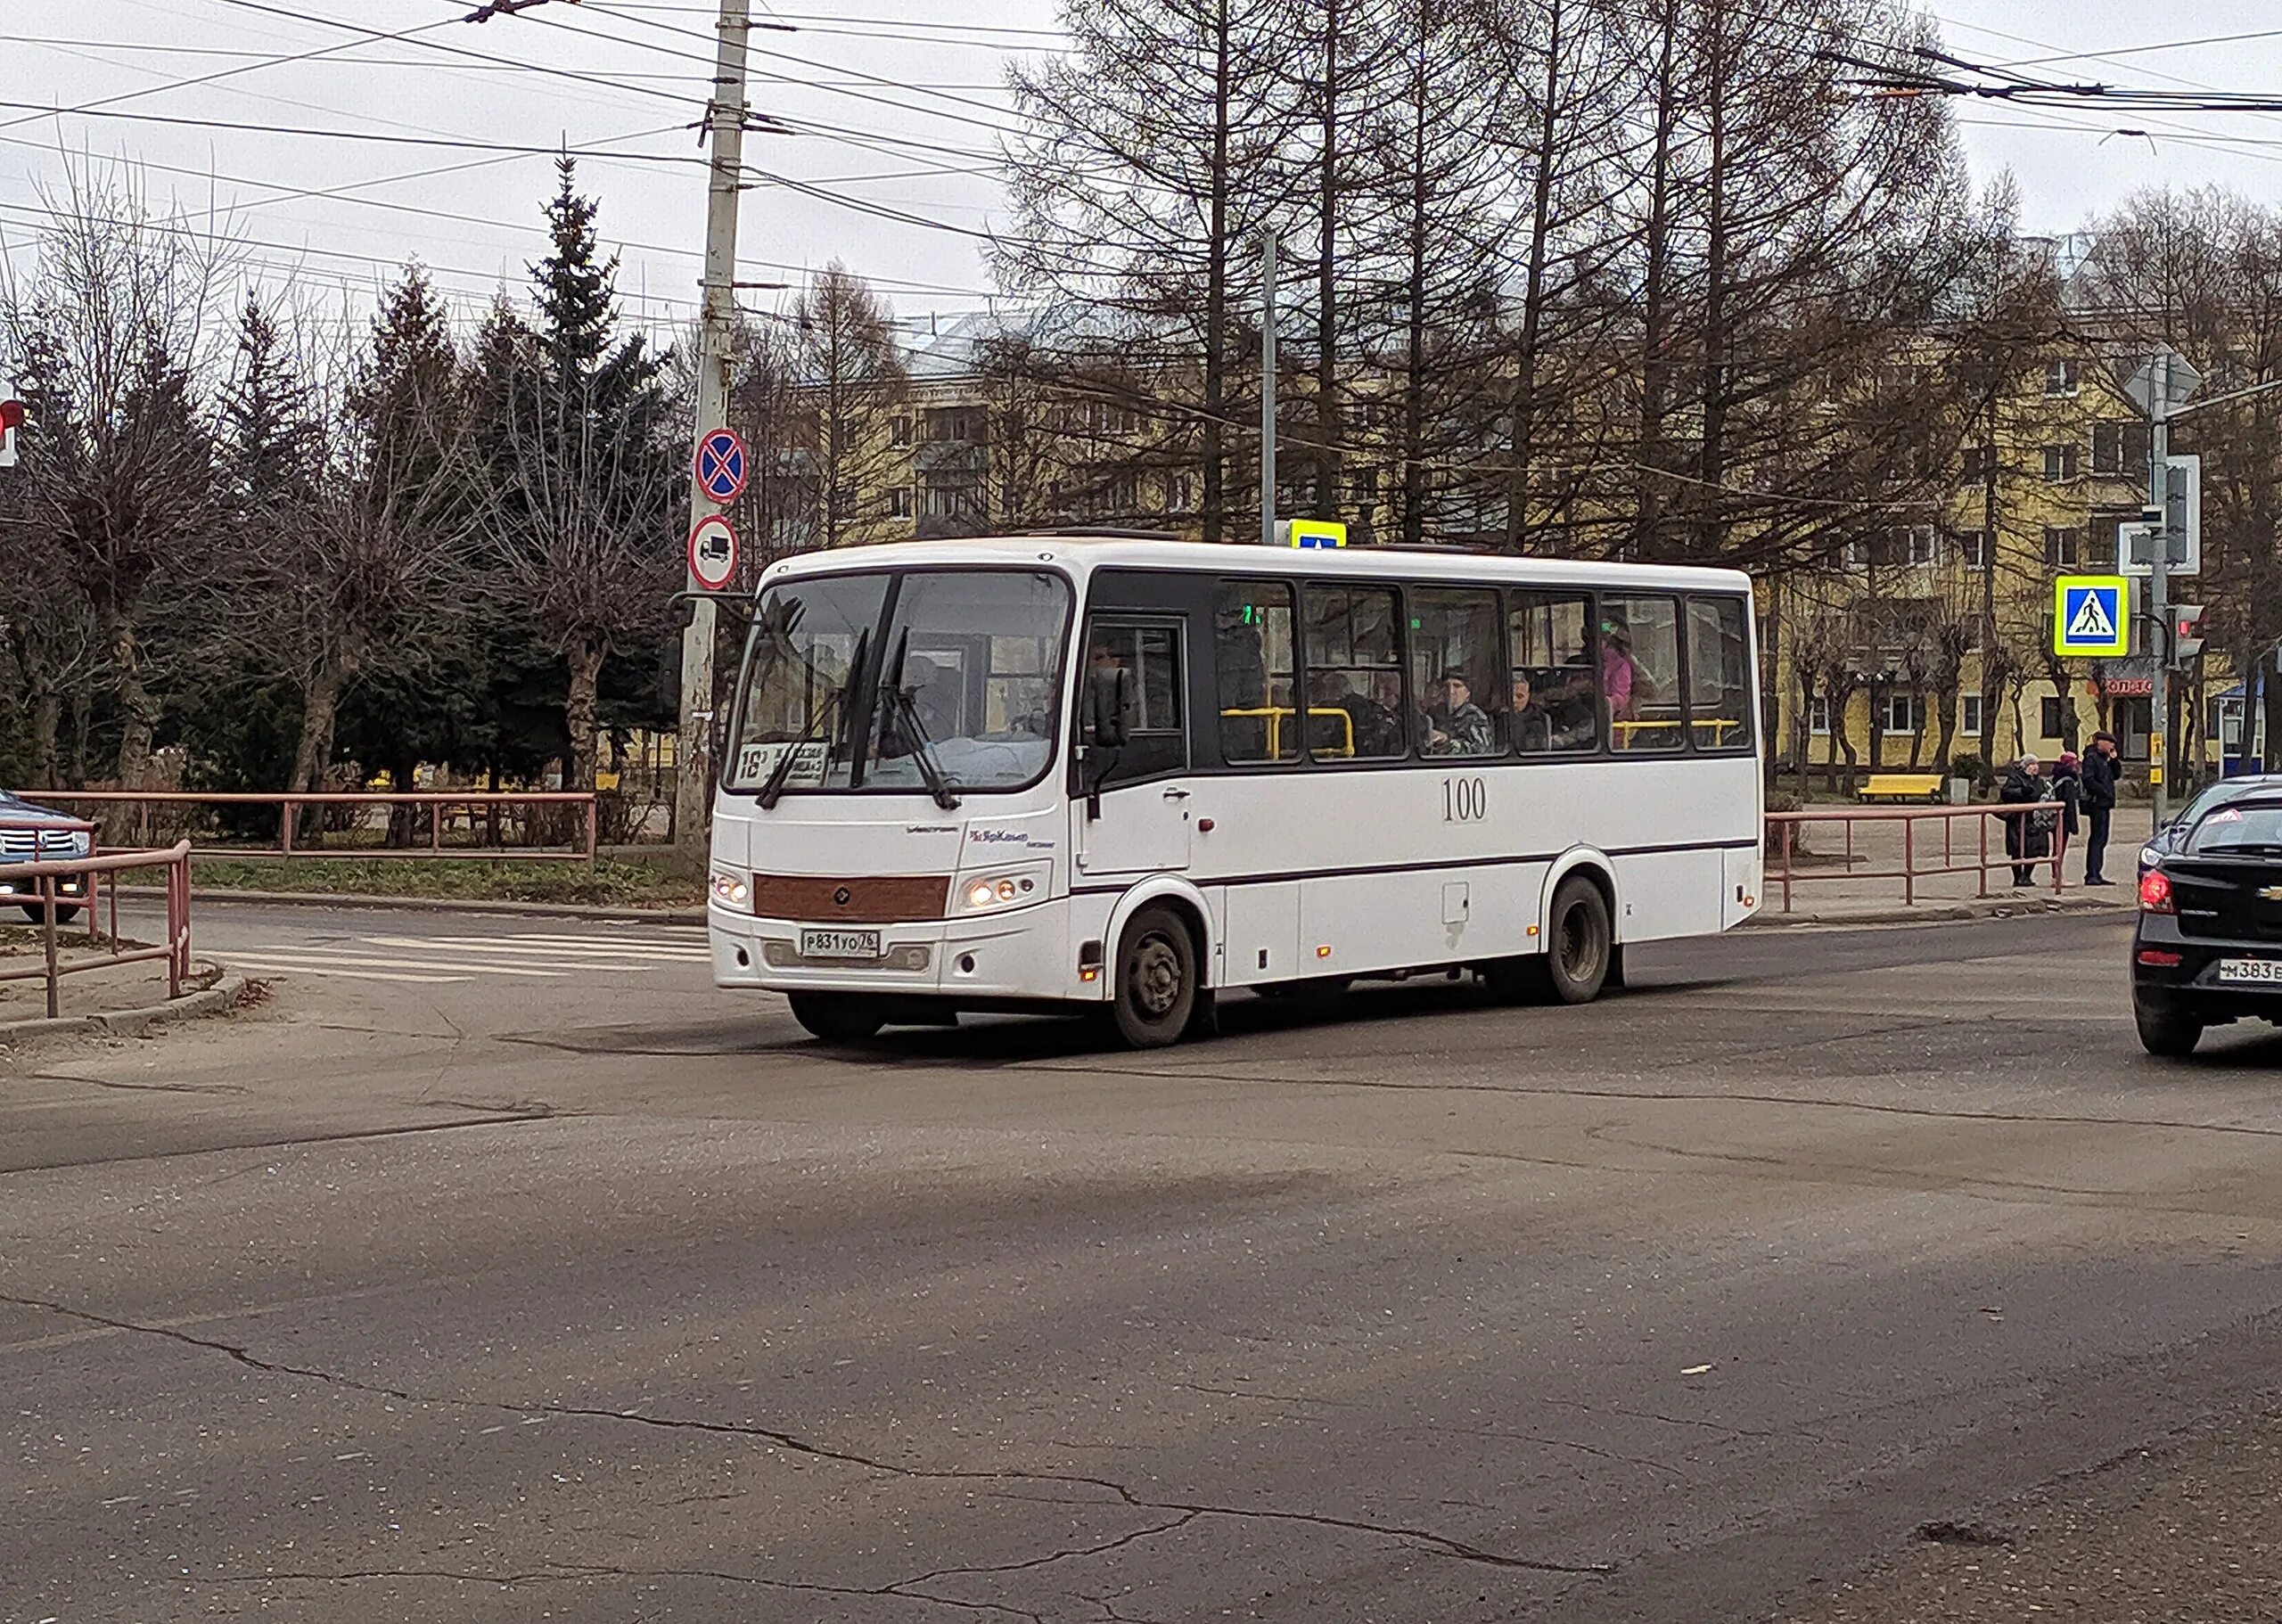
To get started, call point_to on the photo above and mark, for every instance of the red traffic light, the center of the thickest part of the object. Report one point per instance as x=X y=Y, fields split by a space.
x=11 y=416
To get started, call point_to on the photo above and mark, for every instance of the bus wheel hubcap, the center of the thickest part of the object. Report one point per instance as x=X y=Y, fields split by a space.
x=1156 y=976
x=1577 y=952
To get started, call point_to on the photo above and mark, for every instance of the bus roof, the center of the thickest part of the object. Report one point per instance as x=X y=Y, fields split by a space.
x=1084 y=553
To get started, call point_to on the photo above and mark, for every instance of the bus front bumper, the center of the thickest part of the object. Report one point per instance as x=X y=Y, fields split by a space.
x=1030 y=952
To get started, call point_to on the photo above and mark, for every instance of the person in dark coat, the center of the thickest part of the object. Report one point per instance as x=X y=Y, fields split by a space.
x=2068 y=790
x=2027 y=835
x=2099 y=805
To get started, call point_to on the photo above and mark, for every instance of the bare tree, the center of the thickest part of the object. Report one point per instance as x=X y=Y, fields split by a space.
x=109 y=332
x=852 y=378
x=1159 y=157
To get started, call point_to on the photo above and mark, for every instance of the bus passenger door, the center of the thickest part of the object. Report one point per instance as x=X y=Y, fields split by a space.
x=1145 y=822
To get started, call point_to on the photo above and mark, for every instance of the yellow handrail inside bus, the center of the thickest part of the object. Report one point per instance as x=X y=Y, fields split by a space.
x=1275 y=715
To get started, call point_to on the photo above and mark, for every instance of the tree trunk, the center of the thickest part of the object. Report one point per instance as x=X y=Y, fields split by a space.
x=1654 y=293
x=585 y=658
x=1214 y=512
x=1712 y=463
x=47 y=723
x=1804 y=730
x=1413 y=383
x=1945 y=740
x=1327 y=425
x=1521 y=433
x=126 y=822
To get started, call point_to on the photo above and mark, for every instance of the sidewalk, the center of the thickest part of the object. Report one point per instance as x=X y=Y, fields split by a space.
x=119 y=1000
x=1825 y=888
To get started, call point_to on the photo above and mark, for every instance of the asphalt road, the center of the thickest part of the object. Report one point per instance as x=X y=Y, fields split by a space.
x=441 y=1290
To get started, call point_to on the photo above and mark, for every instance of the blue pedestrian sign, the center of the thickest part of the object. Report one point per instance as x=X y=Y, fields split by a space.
x=2091 y=616
x=721 y=465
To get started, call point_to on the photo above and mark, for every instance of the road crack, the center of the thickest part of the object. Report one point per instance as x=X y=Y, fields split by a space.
x=1424 y=1539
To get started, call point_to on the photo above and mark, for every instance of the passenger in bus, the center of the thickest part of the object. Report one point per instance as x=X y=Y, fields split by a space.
x=1455 y=725
x=1574 y=709
x=1377 y=730
x=1528 y=723
x=1622 y=678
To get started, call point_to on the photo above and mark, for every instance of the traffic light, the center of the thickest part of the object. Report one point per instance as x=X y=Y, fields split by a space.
x=11 y=418
x=2187 y=632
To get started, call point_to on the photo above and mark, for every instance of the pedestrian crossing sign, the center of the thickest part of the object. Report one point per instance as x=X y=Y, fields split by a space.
x=2090 y=616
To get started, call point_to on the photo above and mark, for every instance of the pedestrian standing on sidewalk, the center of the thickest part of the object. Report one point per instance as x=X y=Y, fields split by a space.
x=2068 y=790
x=2099 y=805
x=2027 y=836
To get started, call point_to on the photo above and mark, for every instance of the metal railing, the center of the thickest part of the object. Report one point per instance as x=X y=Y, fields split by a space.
x=96 y=875
x=436 y=801
x=1784 y=850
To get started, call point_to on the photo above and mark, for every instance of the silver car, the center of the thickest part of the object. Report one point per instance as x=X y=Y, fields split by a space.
x=37 y=834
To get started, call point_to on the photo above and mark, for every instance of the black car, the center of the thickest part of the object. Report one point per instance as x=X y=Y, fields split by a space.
x=2167 y=837
x=2208 y=949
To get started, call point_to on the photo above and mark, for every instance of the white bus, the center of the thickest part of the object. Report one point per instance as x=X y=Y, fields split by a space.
x=1130 y=774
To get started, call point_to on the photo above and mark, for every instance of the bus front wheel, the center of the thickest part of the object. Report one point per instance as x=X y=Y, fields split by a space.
x=838 y=1017
x=1155 y=995
x=1578 y=946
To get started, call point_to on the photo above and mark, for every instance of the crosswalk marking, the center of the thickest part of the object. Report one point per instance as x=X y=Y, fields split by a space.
x=243 y=962
x=445 y=959
x=321 y=957
x=608 y=959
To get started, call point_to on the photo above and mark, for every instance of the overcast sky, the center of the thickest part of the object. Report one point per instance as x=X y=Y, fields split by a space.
x=912 y=92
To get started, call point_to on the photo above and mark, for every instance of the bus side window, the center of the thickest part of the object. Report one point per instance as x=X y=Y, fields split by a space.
x=1640 y=672
x=1156 y=737
x=1355 y=699
x=1718 y=673
x=1251 y=652
x=1553 y=701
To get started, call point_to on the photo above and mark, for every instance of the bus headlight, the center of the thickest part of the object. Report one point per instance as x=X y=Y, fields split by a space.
x=989 y=893
x=732 y=891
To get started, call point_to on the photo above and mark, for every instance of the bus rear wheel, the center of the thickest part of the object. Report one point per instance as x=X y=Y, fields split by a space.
x=838 y=1017
x=1155 y=995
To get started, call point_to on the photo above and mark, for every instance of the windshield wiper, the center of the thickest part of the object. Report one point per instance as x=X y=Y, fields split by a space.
x=930 y=771
x=922 y=754
x=835 y=703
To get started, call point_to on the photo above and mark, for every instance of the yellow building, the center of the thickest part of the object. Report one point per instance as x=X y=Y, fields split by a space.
x=1881 y=655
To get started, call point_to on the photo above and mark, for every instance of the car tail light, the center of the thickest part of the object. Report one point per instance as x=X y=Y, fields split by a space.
x=2162 y=958
x=2156 y=893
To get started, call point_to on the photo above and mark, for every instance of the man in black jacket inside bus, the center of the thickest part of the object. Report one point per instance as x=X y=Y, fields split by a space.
x=2099 y=770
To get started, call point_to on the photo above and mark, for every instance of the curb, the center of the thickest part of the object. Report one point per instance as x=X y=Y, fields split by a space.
x=132 y=1022
x=432 y=905
x=1936 y=914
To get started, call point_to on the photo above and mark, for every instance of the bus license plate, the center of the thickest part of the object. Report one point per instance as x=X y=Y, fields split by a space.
x=839 y=944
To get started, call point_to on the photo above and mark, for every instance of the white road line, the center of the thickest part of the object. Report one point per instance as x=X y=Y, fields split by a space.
x=581 y=954
x=322 y=957
x=238 y=961
x=607 y=945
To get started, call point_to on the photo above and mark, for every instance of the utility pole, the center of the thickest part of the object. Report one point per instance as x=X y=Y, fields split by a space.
x=2159 y=506
x=1268 y=389
x=725 y=121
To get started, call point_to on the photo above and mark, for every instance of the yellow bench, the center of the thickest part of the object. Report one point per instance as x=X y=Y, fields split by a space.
x=1905 y=787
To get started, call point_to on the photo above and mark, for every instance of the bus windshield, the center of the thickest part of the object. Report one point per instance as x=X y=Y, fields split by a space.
x=856 y=675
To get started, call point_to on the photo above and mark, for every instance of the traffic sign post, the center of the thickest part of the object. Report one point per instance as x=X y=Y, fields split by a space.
x=713 y=553
x=2091 y=616
x=721 y=465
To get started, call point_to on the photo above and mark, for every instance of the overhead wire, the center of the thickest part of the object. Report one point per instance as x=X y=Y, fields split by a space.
x=225 y=73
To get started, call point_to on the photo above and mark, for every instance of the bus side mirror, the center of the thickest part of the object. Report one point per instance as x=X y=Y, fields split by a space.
x=1109 y=696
